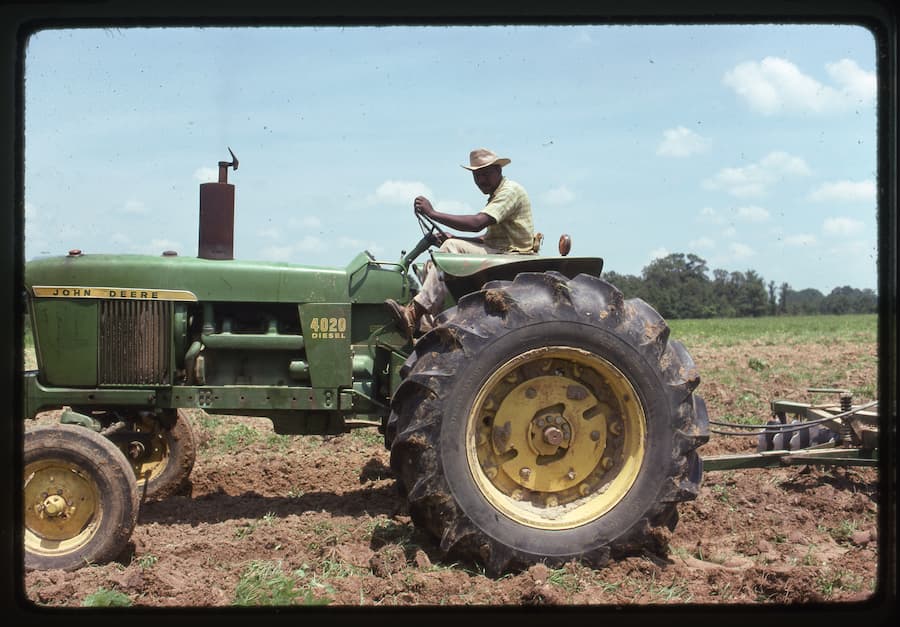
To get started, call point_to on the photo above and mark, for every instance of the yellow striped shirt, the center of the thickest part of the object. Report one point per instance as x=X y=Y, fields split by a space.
x=510 y=207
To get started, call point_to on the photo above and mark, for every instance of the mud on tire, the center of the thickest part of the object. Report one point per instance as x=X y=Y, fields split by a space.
x=547 y=419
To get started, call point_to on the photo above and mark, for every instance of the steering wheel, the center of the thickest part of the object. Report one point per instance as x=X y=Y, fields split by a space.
x=430 y=229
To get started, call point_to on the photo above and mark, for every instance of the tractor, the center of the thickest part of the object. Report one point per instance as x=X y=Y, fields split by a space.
x=542 y=418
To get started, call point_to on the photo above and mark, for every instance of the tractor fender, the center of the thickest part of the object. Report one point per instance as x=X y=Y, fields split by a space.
x=464 y=274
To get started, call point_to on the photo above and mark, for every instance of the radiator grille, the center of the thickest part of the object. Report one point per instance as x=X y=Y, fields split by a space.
x=134 y=342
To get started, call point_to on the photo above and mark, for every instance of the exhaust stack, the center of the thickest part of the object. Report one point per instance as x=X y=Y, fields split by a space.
x=217 y=215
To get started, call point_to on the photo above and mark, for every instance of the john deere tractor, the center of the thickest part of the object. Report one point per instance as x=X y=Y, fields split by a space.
x=542 y=418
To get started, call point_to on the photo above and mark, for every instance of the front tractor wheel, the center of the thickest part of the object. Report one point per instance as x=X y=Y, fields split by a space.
x=81 y=501
x=162 y=454
x=545 y=420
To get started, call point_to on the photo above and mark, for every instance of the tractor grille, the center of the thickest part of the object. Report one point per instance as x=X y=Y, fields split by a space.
x=134 y=342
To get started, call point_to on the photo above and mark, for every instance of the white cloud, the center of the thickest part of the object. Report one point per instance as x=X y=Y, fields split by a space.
x=849 y=191
x=711 y=216
x=756 y=178
x=310 y=243
x=296 y=252
x=559 y=196
x=729 y=232
x=269 y=232
x=842 y=226
x=681 y=142
x=776 y=85
x=703 y=243
x=752 y=214
x=658 y=253
x=206 y=175
x=135 y=207
x=740 y=251
x=400 y=192
x=856 y=83
x=801 y=239
x=276 y=253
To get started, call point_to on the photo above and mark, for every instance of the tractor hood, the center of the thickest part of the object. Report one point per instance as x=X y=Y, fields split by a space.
x=189 y=278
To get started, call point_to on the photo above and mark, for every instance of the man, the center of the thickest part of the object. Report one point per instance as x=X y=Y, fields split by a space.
x=506 y=218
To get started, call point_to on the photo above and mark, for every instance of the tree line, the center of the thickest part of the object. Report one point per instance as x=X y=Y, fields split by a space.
x=679 y=286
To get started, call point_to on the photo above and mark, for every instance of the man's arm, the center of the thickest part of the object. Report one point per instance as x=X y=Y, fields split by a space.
x=472 y=223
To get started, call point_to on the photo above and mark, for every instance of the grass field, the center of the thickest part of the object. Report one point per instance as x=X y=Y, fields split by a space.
x=745 y=363
x=715 y=332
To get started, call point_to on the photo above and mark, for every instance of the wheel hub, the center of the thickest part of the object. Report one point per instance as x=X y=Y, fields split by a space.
x=59 y=501
x=558 y=437
x=54 y=505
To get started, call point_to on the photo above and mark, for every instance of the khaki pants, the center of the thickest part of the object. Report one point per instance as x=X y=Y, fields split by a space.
x=434 y=292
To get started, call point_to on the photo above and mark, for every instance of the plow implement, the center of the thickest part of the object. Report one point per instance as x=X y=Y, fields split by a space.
x=832 y=434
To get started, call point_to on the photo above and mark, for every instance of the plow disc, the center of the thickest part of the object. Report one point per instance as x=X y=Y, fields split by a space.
x=835 y=434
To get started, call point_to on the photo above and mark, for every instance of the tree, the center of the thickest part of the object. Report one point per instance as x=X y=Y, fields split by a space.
x=846 y=299
x=752 y=297
x=631 y=286
x=677 y=286
x=804 y=302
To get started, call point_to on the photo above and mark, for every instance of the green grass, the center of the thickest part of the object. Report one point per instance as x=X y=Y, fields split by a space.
x=775 y=330
x=106 y=598
x=265 y=583
x=368 y=436
x=235 y=437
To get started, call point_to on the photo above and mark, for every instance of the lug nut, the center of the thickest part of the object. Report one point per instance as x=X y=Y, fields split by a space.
x=525 y=473
x=553 y=436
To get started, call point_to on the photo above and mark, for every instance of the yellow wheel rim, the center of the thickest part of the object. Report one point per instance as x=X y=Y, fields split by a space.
x=147 y=460
x=555 y=438
x=62 y=507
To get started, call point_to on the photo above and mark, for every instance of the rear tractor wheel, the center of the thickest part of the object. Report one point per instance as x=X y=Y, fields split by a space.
x=544 y=420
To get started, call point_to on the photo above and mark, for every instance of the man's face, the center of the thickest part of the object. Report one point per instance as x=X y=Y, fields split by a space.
x=487 y=179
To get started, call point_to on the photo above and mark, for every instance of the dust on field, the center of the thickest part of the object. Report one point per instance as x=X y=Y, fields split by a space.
x=317 y=520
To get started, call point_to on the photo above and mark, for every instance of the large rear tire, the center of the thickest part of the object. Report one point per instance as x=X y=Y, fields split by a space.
x=81 y=501
x=547 y=419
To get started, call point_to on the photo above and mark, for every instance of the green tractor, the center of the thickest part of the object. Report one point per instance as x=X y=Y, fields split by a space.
x=542 y=418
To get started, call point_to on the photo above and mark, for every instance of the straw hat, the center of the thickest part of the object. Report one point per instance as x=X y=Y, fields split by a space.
x=482 y=158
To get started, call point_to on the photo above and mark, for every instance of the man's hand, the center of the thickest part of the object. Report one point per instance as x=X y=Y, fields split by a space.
x=439 y=237
x=423 y=205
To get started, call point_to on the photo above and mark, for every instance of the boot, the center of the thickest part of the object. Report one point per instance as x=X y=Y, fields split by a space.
x=405 y=316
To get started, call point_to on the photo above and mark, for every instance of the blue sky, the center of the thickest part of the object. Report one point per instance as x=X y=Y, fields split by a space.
x=753 y=146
